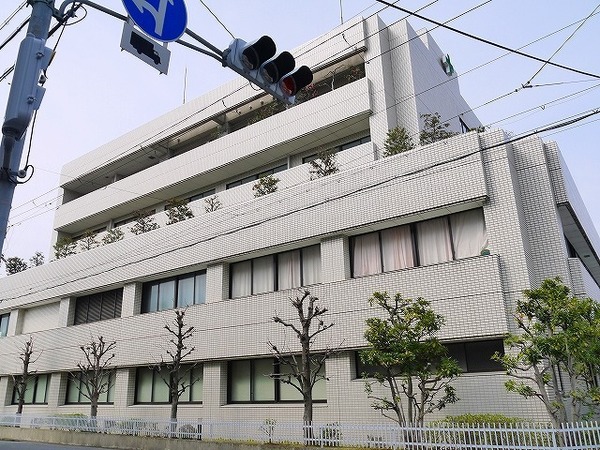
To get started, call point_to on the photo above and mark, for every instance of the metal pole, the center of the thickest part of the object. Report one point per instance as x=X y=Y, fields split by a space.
x=14 y=131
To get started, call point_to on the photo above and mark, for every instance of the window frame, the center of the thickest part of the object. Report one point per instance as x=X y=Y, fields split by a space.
x=416 y=252
x=82 y=399
x=157 y=379
x=255 y=176
x=103 y=298
x=361 y=368
x=4 y=324
x=276 y=384
x=147 y=287
x=275 y=271
x=35 y=378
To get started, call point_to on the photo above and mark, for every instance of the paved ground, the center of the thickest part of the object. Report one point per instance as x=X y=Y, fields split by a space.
x=9 y=445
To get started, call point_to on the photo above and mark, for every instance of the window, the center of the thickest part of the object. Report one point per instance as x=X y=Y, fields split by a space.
x=150 y=387
x=256 y=176
x=202 y=195
x=457 y=236
x=4 y=324
x=176 y=292
x=476 y=356
x=36 y=392
x=77 y=389
x=463 y=126
x=472 y=356
x=339 y=148
x=249 y=381
x=286 y=270
x=100 y=306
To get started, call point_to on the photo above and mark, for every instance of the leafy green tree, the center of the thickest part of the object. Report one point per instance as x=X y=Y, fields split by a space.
x=178 y=210
x=410 y=361
x=397 y=141
x=15 y=264
x=64 y=247
x=88 y=241
x=113 y=235
x=433 y=129
x=144 y=222
x=555 y=356
x=325 y=164
x=36 y=260
x=265 y=185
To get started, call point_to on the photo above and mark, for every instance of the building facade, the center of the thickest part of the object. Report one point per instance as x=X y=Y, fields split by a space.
x=467 y=223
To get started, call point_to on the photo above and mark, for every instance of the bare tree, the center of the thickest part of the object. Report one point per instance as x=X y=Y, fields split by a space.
x=94 y=371
x=21 y=381
x=173 y=372
x=304 y=372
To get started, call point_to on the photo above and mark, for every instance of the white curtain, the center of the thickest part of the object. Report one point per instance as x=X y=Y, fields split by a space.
x=288 y=270
x=433 y=240
x=397 y=248
x=311 y=265
x=469 y=235
x=366 y=255
x=263 y=274
x=241 y=279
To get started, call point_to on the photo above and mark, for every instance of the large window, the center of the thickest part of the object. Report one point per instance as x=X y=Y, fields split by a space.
x=4 y=324
x=250 y=381
x=256 y=176
x=77 y=390
x=175 y=292
x=100 y=306
x=472 y=356
x=339 y=148
x=476 y=356
x=286 y=270
x=431 y=241
x=36 y=392
x=150 y=387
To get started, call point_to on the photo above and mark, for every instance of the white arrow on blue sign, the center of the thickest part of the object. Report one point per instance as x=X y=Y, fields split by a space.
x=164 y=20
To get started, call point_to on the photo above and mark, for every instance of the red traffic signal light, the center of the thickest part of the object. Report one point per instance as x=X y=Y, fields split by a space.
x=256 y=61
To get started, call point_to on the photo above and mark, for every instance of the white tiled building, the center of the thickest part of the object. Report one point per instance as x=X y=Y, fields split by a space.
x=466 y=223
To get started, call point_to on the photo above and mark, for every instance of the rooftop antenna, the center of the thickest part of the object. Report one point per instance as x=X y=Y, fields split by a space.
x=341 y=14
x=184 y=84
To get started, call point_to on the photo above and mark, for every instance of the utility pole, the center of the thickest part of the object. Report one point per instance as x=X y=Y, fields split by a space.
x=24 y=98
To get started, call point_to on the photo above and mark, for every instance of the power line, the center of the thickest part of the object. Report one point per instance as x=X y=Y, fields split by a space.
x=217 y=19
x=12 y=15
x=161 y=131
x=528 y=83
x=486 y=41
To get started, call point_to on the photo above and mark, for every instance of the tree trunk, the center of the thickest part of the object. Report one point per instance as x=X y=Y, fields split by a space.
x=174 y=405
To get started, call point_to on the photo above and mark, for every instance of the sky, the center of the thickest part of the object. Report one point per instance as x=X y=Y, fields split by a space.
x=95 y=92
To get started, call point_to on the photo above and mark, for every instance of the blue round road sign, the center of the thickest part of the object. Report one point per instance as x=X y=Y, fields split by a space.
x=164 y=20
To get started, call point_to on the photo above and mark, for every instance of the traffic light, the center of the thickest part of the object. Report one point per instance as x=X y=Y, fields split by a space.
x=257 y=62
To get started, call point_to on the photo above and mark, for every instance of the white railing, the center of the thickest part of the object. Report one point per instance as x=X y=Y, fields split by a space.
x=438 y=436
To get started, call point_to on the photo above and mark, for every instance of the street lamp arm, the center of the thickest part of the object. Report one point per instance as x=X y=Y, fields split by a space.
x=110 y=12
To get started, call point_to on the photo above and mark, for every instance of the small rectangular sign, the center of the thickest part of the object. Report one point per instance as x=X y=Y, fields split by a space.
x=146 y=49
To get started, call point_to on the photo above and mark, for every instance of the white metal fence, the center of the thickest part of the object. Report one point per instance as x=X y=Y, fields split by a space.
x=439 y=436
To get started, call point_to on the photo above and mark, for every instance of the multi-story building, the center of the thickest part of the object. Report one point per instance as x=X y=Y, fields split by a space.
x=467 y=223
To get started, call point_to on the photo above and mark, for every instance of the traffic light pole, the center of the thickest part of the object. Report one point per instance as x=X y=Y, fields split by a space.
x=15 y=126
